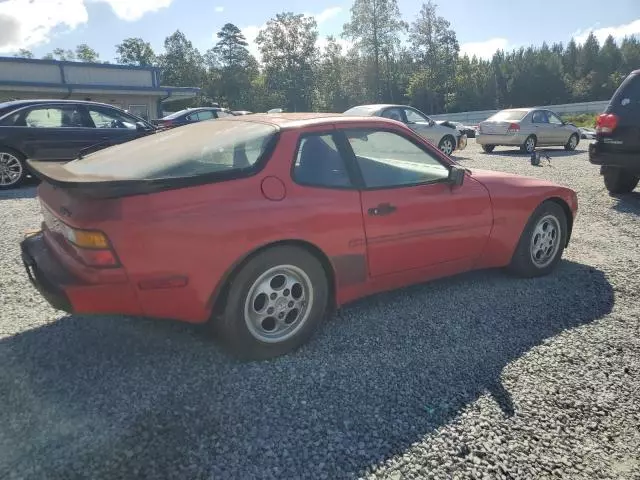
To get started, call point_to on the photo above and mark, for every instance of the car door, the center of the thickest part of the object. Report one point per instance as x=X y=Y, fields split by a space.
x=422 y=125
x=544 y=132
x=51 y=132
x=112 y=126
x=559 y=132
x=413 y=217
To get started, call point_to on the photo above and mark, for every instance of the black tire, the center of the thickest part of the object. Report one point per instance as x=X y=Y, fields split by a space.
x=522 y=263
x=441 y=144
x=233 y=328
x=568 y=146
x=10 y=156
x=529 y=146
x=617 y=180
x=488 y=148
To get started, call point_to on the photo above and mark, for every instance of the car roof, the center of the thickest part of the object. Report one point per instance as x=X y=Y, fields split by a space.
x=37 y=101
x=291 y=120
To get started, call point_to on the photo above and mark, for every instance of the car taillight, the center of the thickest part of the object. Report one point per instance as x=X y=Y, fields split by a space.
x=606 y=123
x=513 y=128
x=92 y=247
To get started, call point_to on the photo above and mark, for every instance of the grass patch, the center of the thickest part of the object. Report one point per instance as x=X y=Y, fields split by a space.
x=582 y=120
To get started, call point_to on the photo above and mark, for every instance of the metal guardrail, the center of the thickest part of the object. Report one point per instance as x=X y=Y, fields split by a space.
x=565 y=108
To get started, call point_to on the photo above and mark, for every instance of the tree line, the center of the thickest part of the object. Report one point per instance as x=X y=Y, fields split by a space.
x=426 y=70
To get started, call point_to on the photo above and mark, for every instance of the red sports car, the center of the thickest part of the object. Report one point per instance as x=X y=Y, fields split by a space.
x=261 y=224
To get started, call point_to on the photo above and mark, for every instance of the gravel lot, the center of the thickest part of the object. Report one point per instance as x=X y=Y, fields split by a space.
x=478 y=376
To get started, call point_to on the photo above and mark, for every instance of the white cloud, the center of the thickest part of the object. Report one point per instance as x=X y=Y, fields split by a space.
x=251 y=32
x=618 y=32
x=132 y=10
x=28 y=23
x=219 y=9
x=484 y=49
x=25 y=23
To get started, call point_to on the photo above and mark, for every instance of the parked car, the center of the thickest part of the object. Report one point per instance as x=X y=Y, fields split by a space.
x=242 y=112
x=469 y=131
x=526 y=128
x=59 y=130
x=191 y=115
x=587 y=133
x=617 y=145
x=448 y=140
x=319 y=210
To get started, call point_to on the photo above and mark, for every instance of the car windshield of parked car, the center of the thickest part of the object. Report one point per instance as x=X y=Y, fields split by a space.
x=199 y=149
x=507 y=116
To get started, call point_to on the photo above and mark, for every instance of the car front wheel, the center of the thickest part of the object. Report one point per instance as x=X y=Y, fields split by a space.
x=541 y=243
x=447 y=145
x=617 y=180
x=12 y=169
x=274 y=304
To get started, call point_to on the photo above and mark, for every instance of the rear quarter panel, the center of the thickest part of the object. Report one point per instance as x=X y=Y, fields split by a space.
x=204 y=232
x=514 y=198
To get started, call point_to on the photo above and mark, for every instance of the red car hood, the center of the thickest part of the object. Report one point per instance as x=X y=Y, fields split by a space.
x=491 y=177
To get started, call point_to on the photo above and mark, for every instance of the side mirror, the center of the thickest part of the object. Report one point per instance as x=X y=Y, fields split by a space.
x=456 y=175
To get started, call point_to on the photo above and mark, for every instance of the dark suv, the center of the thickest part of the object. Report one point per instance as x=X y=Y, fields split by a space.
x=617 y=145
x=59 y=130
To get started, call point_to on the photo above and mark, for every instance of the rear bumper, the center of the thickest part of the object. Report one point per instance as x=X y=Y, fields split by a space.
x=628 y=161
x=515 y=139
x=66 y=291
x=46 y=275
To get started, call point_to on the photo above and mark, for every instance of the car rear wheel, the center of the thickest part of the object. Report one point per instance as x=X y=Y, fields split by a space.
x=275 y=303
x=488 y=148
x=572 y=143
x=541 y=243
x=617 y=180
x=12 y=169
x=529 y=144
x=447 y=144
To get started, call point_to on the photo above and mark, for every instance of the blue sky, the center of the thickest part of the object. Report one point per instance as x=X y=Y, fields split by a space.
x=481 y=25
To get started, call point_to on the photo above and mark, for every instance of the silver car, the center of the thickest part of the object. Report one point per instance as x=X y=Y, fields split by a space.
x=447 y=139
x=527 y=128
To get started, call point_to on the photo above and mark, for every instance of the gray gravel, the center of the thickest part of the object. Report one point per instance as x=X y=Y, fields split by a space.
x=478 y=376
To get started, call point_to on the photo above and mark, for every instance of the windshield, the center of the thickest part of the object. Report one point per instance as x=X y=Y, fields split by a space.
x=199 y=149
x=507 y=115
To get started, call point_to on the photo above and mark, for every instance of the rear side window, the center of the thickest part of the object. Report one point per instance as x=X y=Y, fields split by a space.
x=203 y=148
x=507 y=116
x=626 y=100
x=319 y=163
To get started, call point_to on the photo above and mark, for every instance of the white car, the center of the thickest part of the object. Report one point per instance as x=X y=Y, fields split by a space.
x=447 y=139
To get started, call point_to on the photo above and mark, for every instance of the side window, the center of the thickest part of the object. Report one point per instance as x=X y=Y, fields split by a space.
x=319 y=163
x=54 y=117
x=104 y=118
x=205 y=115
x=393 y=114
x=387 y=159
x=539 y=117
x=415 y=117
x=553 y=118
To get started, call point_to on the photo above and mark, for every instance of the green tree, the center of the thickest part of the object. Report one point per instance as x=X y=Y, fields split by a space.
x=84 y=53
x=375 y=27
x=23 y=53
x=331 y=94
x=288 y=48
x=62 y=54
x=182 y=64
x=135 y=51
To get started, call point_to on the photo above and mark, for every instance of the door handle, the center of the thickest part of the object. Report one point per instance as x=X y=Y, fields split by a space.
x=382 y=209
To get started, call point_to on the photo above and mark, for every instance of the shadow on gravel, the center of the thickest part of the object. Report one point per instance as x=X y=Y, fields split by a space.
x=130 y=398
x=552 y=152
x=628 y=203
x=26 y=191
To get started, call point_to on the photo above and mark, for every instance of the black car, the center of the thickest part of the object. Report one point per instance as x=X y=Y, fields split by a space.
x=617 y=145
x=192 y=115
x=59 y=130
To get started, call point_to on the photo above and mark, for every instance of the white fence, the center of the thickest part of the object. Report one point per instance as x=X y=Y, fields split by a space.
x=473 y=118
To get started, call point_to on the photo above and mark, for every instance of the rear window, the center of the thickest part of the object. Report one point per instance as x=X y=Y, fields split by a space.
x=626 y=100
x=360 y=111
x=507 y=116
x=176 y=114
x=198 y=149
